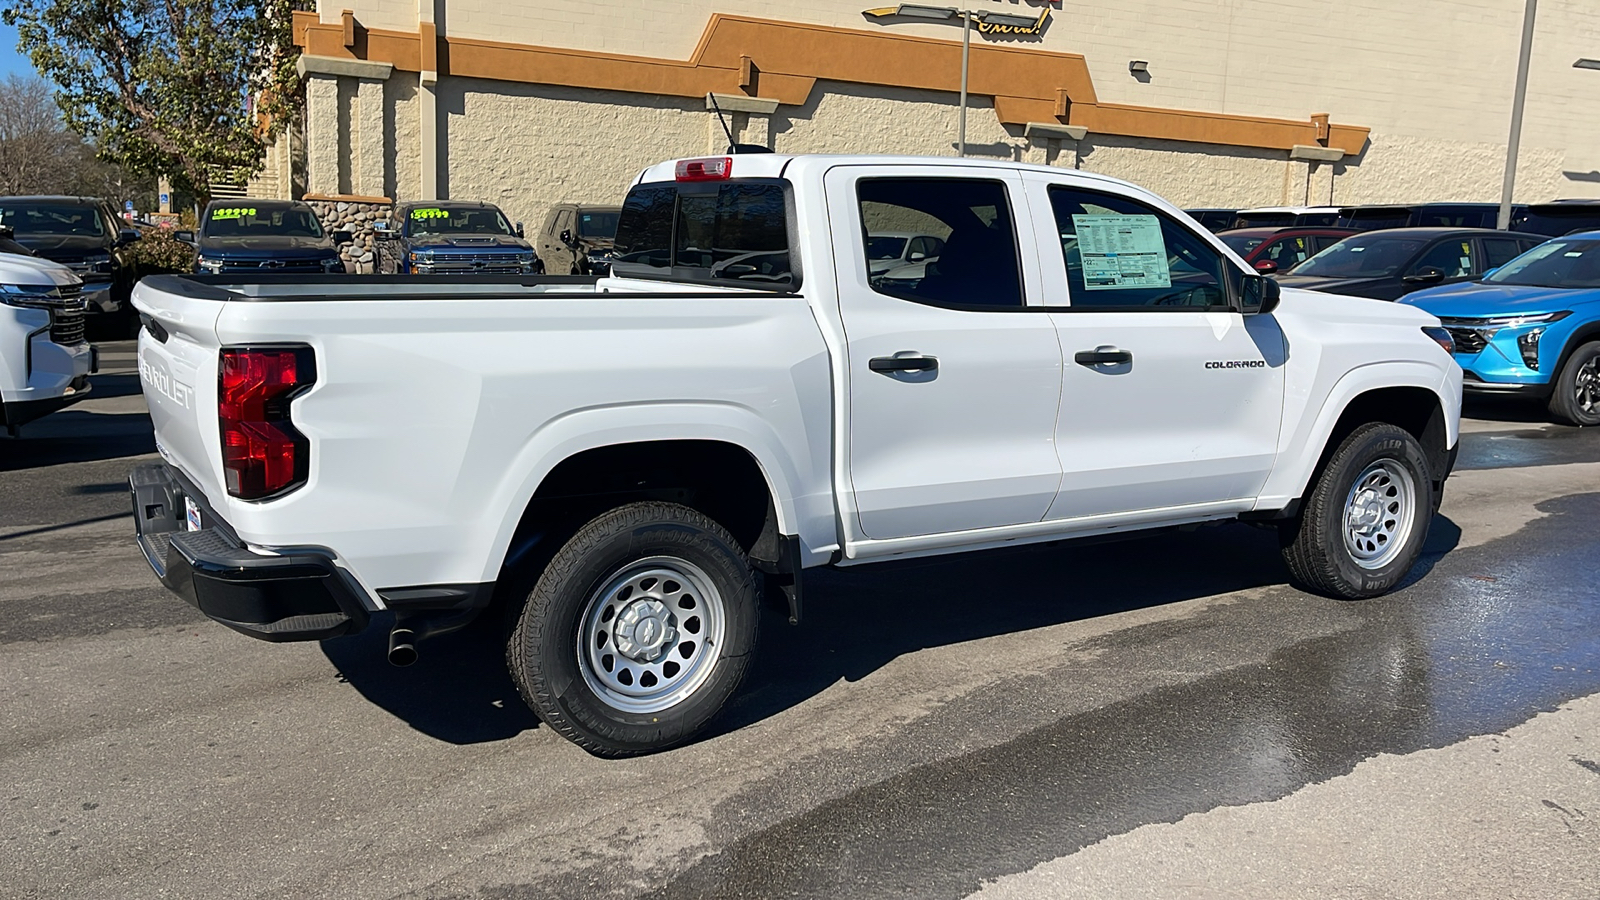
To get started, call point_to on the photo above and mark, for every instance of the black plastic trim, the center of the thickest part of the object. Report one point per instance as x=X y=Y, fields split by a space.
x=21 y=412
x=300 y=595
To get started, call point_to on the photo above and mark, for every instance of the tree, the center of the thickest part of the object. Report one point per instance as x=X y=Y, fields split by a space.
x=38 y=155
x=191 y=89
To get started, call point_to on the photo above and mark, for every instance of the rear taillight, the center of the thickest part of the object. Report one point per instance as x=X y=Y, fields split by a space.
x=262 y=453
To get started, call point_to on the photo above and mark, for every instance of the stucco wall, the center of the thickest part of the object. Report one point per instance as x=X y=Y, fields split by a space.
x=1431 y=77
x=528 y=147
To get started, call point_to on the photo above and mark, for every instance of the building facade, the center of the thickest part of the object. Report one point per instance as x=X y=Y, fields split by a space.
x=528 y=103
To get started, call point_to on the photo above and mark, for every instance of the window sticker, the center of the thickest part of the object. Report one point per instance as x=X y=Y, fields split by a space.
x=432 y=212
x=1122 y=252
x=232 y=212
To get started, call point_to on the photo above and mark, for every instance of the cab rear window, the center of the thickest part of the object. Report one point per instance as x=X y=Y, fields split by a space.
x=728 y=232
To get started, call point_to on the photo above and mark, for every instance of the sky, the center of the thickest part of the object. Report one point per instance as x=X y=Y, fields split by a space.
x=10 y=60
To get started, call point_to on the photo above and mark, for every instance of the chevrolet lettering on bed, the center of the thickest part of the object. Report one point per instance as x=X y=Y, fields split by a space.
x=619 y=471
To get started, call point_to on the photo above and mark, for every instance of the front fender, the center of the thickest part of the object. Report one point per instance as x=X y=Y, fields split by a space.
x=1301 y=451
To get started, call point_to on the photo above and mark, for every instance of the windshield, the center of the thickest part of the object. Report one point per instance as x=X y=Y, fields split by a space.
x=1557 y=221
x=1375 y=219
x=1362 y=256
x=1557 y=264
x=44 y=218
x=449 y=220
x=266 y=221
x=881 y=247
x=598 y=224
x=1241 y=244
x=1264 y=220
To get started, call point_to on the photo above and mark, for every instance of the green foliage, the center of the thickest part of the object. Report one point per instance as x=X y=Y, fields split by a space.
x=191 y=89
x=158 y=251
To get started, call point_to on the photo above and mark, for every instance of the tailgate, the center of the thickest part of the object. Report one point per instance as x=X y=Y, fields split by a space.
x=178 y=372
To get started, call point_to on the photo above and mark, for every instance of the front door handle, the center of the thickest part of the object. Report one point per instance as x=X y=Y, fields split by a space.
x=1100 y=356
x=913 y=363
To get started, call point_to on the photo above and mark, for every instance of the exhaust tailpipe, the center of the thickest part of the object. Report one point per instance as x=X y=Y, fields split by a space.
x=402 y=647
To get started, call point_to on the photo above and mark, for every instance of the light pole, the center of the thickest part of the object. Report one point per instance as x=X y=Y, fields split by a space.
x=1503 y=222
x=967 y=16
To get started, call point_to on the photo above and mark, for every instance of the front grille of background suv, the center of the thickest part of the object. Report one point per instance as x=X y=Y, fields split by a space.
x=1466 y=334
x=66 y=320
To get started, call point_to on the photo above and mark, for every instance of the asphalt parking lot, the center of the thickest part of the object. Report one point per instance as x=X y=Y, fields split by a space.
x=1161 y=717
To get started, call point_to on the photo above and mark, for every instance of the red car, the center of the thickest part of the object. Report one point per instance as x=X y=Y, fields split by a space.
x=1273 y=250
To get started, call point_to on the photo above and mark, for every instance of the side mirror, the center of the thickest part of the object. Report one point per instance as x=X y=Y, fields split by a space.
x=917 y=256
x=1259 y=295
x=343 y=237
x=1266 y=266
x=519 y=230
x=7 y=232
x=185 y=236
x=566 y=237
x=128 y=235
x=1425 y=275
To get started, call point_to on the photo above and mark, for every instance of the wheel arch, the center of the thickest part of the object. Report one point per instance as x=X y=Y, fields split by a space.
x=719 y=459
x=1583 y=334
x=1409 y=396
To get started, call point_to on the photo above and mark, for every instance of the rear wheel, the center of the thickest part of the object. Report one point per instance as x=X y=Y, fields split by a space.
x=1363 y=523
x=638 y=631
x=1576 y=397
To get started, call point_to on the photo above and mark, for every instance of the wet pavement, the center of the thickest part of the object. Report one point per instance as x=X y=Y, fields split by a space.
x=1032 y=720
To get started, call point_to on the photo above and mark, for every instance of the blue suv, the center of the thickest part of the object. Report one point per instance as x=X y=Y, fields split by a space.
x=1531 y=327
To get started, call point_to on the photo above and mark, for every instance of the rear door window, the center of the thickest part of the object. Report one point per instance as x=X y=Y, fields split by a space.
x=969 y=220
x=1499 y=251
x=727 y=232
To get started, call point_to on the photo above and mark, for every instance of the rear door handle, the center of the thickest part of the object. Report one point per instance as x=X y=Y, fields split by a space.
x=914 y=363
x=1102 y=356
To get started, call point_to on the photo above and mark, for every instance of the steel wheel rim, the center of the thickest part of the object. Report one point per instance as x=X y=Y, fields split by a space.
x=1379 y=513
x=650 y=634
x=1586 y=387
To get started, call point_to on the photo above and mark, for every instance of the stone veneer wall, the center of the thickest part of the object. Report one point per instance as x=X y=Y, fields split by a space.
x=355 y=215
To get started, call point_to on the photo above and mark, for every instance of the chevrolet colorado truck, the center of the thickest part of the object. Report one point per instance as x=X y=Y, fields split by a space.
x=626 y=467
x=45 y=362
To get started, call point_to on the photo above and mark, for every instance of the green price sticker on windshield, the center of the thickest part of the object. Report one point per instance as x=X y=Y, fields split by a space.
x=232 y=212
x=430 y=213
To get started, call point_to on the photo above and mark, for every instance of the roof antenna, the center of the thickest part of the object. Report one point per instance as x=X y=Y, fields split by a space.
x=733 y=145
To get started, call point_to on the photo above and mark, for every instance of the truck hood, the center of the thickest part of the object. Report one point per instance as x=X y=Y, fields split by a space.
x=63 y=246
x=1474 y=299
x=31 y=270
x=468 y=243
x=263 y=246
x=1318 y=305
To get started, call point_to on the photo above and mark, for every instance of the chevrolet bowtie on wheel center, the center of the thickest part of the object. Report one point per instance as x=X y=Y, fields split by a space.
x=623 y=469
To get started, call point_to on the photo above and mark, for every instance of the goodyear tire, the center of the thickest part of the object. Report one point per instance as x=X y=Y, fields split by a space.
x=638 y=631
x=1365 y=519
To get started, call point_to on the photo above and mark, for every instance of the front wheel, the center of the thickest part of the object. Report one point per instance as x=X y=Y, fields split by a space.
x=1364 y=522
x=638 y=631
x=1576 y=397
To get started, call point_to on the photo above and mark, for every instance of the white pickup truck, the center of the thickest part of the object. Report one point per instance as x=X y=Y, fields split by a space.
x=626 y=465
x=45 y=362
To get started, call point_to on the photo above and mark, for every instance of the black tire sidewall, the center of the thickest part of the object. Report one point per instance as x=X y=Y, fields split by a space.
x=1564 y=404
x=1360 y=450
x=595 y=554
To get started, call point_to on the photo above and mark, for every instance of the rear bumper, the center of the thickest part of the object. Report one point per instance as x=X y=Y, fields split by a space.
x=298 y=596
